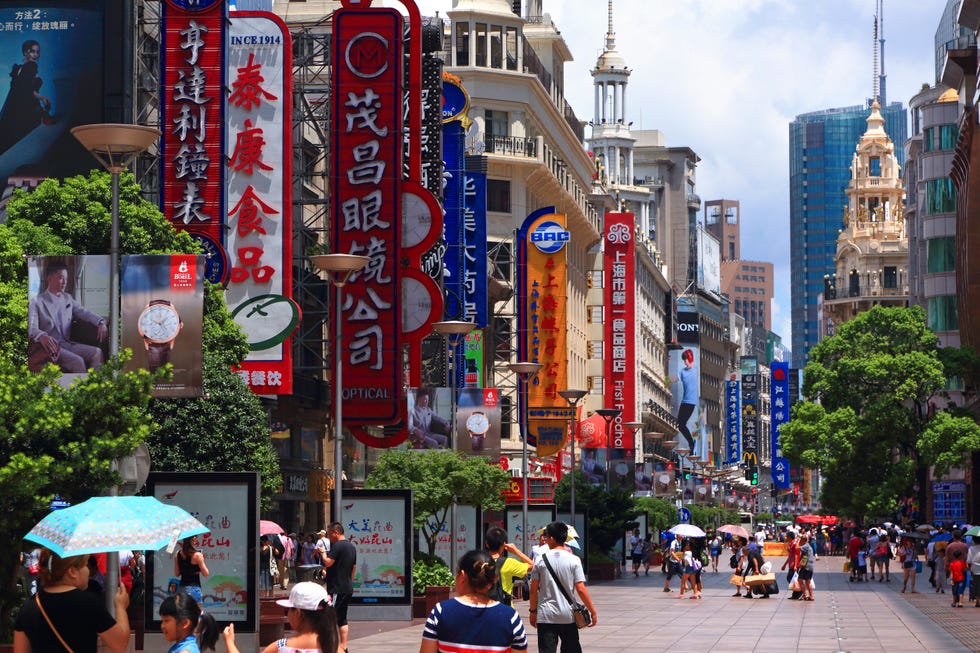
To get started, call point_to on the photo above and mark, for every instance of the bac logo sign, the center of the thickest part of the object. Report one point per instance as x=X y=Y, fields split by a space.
x=549 y=237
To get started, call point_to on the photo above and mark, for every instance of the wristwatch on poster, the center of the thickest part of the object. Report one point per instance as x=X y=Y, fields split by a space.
x=478 y=424
x=159 y=324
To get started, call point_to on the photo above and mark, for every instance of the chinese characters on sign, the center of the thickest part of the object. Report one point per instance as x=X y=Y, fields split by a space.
x=258 y=170
x=619 y=324
x=366 y=173
x=733 y=422
x=191 y=156
x=779 y=389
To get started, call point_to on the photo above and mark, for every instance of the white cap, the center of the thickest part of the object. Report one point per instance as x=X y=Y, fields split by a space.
x=306 y=596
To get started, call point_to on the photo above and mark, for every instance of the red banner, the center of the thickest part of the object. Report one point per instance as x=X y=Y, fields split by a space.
x=367 y=159
x=619 y=329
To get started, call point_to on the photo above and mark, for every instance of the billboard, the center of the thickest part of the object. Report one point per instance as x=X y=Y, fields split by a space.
x=430 y=418
x=52 y=57
x=227 y=503
x=733 y=422
x=594 y=465
x=68 y=307
x=379 y=525
x=621 y=471
x=619 y=328
x=709 y=262
x=162 y=314
x=664 y=480
x=685 y=395
x=780 y=405
x=478 y=422
x=257 y=134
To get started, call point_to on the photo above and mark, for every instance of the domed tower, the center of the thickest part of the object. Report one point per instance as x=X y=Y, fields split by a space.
x=871 y=264
x=611 y=140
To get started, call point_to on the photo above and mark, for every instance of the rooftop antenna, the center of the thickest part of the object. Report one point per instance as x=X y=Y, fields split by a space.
x=881 y=52
x=874 y=77
x=610 y=34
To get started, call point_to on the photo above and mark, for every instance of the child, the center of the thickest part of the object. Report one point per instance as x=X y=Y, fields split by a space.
x=862 y=566
x=181 y=619
x=957 y=574
x=311 y=617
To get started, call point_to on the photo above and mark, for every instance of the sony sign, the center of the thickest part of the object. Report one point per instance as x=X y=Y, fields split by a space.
x=688 y=329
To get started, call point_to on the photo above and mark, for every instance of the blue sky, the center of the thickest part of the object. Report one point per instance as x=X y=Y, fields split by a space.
x=726 y=77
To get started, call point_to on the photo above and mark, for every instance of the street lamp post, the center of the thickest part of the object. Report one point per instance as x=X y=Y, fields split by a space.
x=572 y=396
x=524 y=370
x=115 y=146
x=682 y=452
x=340 y=267
x=454 y=331
x=636 y=427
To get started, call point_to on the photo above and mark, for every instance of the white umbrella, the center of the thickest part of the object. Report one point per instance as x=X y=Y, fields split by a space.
x=687 y=530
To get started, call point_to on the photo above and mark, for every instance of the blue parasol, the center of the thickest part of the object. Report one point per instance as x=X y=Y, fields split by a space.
x=114 y=524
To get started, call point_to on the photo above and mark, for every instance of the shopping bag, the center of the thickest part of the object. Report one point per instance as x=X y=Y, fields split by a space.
x=735 y=579
x=918 y=566
x=794 y=583
x=847 y=566
x=760 y=579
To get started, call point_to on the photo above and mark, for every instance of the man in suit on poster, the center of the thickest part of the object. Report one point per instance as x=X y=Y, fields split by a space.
x=49 y=321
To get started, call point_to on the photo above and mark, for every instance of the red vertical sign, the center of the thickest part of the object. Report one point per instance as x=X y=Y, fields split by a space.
x=619 y=330
x=367 y=160
x=191 y=117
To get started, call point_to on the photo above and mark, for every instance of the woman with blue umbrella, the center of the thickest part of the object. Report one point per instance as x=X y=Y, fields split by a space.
x=63 y=616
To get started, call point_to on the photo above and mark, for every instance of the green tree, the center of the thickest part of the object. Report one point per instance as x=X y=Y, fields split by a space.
x=610 y=511
x=436 y=477
x=867 y=423
x=56 y=440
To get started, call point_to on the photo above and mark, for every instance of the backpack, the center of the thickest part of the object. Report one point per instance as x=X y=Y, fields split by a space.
x=497 y=592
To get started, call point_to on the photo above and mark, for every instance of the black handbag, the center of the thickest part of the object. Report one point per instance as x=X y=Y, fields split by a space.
x=583 y=618
x=733 y=561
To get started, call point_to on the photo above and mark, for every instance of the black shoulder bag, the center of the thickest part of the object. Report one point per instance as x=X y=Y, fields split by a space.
x=583 y=618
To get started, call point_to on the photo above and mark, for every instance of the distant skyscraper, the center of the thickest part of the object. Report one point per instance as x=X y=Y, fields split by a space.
x=821 y=146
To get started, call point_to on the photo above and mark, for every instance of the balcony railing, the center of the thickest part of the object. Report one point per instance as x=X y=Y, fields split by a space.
x=511 y=146
x=863 y=291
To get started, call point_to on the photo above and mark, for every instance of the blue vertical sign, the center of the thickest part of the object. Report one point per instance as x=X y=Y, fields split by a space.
x=453 y=267
x=475 y=248
x=780 y=403
x=733 y=422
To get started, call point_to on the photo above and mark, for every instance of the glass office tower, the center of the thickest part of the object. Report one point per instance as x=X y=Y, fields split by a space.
x=821 y=146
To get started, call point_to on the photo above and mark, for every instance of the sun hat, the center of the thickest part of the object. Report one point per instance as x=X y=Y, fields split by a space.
x=321 y=532
x=306 y=596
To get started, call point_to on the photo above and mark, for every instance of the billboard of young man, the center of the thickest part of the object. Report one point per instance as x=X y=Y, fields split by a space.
x=429 y=415
x=68 y=313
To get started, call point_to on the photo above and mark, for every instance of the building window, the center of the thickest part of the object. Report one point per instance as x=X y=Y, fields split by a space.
x=874 y=166
x=462 y=44
x=510 y=41
x=947 y=136
x=497 y=46
x=890 y=276
x=496 y=123
x=940 y=196
x=731 y=251
x=502 y=338
x=941 y=254
x=941 y=313
x=498 y=195
x=481 y=44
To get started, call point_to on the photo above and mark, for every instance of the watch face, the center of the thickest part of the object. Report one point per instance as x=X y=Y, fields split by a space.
x=477 y=424
x=159 y=323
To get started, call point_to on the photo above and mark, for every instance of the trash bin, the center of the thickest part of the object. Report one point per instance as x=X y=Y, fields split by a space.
x=305 y=572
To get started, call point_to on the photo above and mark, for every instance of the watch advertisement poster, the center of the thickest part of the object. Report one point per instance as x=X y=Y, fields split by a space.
x=478 y=422
x=225 y=502
x=162 y=318
x=622 y=470
x=67 y=313
x=664 y=480
x=379 y=525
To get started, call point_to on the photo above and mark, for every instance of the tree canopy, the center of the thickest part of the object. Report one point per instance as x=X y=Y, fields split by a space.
x=435 y=478
x=867 y=422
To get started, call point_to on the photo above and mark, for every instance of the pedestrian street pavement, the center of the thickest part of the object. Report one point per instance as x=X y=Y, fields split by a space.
x=635 y=615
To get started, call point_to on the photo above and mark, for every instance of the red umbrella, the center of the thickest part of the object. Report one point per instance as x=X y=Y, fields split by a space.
x=267 y=527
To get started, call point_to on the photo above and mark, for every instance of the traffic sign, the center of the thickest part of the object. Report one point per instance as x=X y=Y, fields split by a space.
x=683 y=515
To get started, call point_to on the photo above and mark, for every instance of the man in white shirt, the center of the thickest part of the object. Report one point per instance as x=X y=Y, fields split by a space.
x=760 y=538
x=322 y=546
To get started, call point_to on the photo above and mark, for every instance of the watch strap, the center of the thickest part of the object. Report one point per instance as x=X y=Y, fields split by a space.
x=158 y=355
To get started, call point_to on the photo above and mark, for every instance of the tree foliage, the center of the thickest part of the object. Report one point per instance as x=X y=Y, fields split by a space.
x=435 y=478
x=866 y=422
x=56 y=440
x=609 y=511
